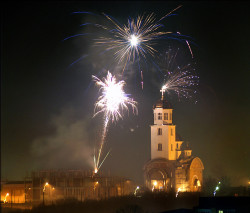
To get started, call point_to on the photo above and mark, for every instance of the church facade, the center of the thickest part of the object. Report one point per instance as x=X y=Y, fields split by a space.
x=172 y=166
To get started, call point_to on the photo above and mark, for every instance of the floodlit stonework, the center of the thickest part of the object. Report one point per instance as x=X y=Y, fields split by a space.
x=172 y=166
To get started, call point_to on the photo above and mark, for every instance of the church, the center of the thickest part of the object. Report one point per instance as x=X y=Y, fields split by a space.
x=172 y=166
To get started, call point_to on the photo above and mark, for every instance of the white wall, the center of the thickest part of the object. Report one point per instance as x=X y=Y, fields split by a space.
x=166 y=139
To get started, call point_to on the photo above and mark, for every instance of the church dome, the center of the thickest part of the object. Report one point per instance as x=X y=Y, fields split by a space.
x=163 y=104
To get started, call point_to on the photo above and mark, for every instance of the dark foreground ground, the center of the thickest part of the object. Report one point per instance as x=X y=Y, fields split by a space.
x=155 y=203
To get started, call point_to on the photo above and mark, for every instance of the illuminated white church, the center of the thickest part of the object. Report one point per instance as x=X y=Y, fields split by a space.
x=172 y=166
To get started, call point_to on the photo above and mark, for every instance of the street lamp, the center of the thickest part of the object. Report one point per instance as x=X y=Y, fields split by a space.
x=46 y=184
x=5 y=199
x=217 y=188
x=137 y=188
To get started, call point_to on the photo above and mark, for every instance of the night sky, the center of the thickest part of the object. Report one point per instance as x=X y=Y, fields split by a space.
x=47 y=103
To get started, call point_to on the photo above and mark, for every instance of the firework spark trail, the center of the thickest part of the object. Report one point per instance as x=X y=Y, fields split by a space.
x=179 y=80
x=112 y=101
x=189 y=47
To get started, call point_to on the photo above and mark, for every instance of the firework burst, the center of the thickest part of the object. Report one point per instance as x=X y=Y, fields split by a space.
x=136 y=39
x=179 y=79
x=112 y=102
x=133 y=41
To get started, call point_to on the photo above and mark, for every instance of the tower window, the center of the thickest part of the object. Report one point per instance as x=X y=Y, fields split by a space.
x=171 y=147
x=171 y=132
x=177 y=145
x=165 y=116
x=159 y=116
x=159 y=147
x=159 y=132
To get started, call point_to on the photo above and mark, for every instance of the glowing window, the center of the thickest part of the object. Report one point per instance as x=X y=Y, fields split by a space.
x=165 y=116
x=159 y=147
x=159 y=116
x=159 y=132
x=171 y=147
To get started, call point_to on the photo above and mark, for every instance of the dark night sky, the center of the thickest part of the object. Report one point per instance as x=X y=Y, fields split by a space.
x=47 y=105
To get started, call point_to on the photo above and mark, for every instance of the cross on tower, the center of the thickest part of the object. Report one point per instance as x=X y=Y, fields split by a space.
x=163 y=89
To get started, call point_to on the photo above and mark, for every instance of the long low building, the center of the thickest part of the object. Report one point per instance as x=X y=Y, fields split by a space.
x=48 y=186
x=16 y=191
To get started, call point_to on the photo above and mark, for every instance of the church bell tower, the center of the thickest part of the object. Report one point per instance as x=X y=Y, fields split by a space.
x=163 y=143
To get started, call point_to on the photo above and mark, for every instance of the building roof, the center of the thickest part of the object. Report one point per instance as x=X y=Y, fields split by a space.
x=163 y=104
x=191 y=162
x=178 y=137
x=186 y=160
x=185 y=146
x=18 y=182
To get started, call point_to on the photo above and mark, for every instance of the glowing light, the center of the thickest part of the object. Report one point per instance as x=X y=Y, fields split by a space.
x=5 y=199
x=155 y=183
x=46 y=184
x=134 y=40
x=217 y=188
x=179 y=189
x=163 y=89
x=112 y=102
x=136 y=189
x=95 y=185
x=96 y=170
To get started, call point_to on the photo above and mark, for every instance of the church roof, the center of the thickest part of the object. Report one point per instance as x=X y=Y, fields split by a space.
x=186 y=159
x=191 y=162
x=185 y=145
x=163 y=104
